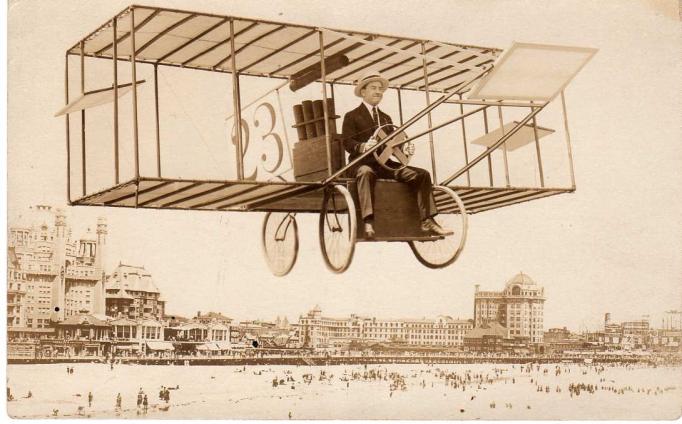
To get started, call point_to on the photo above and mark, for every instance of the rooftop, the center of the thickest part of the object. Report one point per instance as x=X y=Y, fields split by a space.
x=522 y=279
x=492 y=329
x=132 y=278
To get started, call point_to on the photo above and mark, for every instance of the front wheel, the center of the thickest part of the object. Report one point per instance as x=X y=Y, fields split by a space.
x=280 y=242
x=338 y=228
x=452 y=214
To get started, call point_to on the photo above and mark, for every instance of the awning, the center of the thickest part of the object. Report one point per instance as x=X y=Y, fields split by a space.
x=160 y=345
x=208 y=346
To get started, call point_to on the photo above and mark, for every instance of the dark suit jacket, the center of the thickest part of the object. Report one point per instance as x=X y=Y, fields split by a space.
x=358 y=127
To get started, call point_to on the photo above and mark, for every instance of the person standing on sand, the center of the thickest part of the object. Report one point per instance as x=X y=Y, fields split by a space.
x=89 y=399
x=118 y=401
x=145 y=403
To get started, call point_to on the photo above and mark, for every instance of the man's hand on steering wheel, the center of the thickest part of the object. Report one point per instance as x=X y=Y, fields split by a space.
x=394 y=148
x=408 y=148
x=369 y=144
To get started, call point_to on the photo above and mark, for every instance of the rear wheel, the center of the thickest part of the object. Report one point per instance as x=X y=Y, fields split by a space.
x=280 y=242
x=452 y=215
x=337 y=228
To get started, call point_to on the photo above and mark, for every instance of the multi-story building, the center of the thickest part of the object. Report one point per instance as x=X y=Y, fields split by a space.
x=132 y=293
x=214 y=325
x=633 y=334
x=627 y=334
x=16 y=289
x=637 y=333
x=613 y=332
x=324 y=332
x=518 y=308
x=561 y=339
x=442 y=331
x=198 y=332
x=62 y=277
x=141 y=335
x=381 y=330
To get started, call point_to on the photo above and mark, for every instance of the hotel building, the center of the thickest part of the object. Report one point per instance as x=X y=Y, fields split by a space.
x=518 y=308
x=318 y=331
x=60 y=277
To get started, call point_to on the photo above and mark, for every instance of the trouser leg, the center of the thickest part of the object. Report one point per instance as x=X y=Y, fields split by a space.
x=366 y=179
x=419 y=179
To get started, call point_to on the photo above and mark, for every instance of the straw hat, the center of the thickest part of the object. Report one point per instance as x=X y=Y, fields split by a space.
x=366 y=78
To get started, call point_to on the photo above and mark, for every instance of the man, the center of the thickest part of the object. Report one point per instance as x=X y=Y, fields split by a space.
x=358 y=127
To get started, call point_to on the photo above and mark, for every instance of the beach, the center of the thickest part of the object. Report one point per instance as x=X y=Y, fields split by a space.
x=390 y=391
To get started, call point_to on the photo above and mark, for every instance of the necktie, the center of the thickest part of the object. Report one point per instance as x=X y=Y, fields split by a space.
x=375 y=116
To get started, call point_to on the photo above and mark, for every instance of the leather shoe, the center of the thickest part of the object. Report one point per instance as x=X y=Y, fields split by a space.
x=369 y=230
x=431 y=226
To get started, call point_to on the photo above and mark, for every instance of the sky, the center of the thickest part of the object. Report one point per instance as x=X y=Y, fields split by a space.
x=612 y=246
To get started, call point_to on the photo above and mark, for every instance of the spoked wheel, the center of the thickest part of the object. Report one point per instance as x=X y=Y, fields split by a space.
x=338 y=228
x=280 y=242
x=452 y=215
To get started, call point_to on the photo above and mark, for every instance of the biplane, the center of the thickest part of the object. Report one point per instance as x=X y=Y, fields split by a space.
x=481 y=84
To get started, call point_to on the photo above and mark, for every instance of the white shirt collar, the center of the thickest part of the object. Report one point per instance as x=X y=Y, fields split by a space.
x=369 y=107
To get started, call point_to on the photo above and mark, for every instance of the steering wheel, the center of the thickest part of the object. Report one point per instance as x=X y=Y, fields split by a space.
x=392 y=149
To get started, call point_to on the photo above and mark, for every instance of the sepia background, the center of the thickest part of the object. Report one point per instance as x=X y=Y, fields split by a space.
x=612 y=246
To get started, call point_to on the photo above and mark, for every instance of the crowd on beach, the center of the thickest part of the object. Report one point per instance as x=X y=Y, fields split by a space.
x=143 y=402
x=535 y=375
x=465 y=384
